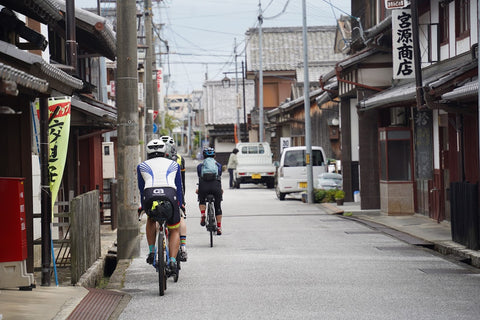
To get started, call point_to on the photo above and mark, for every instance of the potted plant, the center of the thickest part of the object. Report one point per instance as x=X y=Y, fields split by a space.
x=339 y=197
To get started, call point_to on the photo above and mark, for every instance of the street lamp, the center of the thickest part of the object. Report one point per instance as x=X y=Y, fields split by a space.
x=226 y=82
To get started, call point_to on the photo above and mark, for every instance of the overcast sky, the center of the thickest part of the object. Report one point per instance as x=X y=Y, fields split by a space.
x=201 y=33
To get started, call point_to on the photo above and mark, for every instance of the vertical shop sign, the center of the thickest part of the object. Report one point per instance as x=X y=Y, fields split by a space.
x=402 y=44
x=59 y=112
x=423 y=138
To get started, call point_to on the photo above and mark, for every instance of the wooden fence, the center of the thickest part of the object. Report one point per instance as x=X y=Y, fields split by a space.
x=85 y=246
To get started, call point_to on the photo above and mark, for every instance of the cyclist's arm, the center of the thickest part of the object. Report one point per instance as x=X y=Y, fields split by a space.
x=178 y=184
x=141 y=184
x=219 y=166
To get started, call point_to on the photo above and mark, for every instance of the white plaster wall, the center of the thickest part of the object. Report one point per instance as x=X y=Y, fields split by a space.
x=354 y=130
x=37 y=231
x=436 y=141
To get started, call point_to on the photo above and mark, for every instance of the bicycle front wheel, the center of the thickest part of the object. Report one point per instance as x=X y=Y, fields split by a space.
x=161 y=264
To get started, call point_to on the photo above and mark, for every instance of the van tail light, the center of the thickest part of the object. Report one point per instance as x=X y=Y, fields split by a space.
x=270 y=173
x=280 y=172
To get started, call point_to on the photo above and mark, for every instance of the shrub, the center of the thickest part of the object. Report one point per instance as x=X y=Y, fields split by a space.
x=339 y=194
x=319 y=195
x=330 y=195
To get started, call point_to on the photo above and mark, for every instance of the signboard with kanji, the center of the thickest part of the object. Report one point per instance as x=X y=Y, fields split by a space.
x=402 y=44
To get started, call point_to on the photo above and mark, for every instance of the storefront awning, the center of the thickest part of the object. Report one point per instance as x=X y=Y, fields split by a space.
x=95 y=113
x=466 y=92
x=437 y=76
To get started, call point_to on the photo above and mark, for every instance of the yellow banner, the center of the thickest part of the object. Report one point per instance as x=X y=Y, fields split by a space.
x=59 y=113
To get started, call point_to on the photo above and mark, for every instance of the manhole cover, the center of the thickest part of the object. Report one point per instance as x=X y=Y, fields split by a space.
x=97 y=304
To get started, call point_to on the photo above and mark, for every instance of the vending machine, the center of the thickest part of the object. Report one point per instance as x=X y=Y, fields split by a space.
x=13 y=235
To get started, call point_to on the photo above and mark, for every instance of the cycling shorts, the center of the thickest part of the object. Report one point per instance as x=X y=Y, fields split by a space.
x=163 y=194
x=210 y=187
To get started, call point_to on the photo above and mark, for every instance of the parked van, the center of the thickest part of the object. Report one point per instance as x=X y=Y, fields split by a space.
x=292 y=170
x=255 y=164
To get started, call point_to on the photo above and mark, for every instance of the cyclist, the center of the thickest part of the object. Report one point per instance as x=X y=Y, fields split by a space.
x=159 y=179
x=210 y=184
x=183 y=225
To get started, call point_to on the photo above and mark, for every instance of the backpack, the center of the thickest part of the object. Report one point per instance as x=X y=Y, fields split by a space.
x=209 y=170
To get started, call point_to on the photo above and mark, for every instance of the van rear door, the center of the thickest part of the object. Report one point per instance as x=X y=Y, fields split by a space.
x=295 y=166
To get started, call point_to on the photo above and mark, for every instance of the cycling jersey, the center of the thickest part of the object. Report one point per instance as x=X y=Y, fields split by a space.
x=160 y=173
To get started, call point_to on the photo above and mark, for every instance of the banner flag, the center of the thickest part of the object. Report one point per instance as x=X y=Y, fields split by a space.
x=59 y=113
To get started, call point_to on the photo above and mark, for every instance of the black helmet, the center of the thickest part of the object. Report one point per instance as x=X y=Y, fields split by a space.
x=208 y=152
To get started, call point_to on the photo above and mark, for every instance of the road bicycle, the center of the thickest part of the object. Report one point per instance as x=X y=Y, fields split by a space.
x=162 y=255
x=211 y=224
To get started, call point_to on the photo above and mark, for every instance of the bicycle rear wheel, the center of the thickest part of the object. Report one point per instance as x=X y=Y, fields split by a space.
x=161 y=264
x=211 y=222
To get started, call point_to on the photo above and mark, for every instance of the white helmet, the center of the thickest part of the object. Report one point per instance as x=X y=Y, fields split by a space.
x=168 y=139
x=156 y=148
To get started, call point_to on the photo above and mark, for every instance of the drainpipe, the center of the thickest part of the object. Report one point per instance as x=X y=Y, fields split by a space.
x=71 y=37
x=46 y=196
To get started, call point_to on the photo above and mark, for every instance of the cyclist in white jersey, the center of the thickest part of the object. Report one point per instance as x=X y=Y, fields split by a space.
x=159 y=179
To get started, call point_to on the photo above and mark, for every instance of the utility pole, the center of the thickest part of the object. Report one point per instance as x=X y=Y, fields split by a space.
x=155 y=87
x=128 y=232
x=306 y=102
x=147 y=13
x=260 y=80
x=237 y=100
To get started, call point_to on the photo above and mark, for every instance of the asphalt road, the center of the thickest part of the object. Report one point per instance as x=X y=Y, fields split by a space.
x=289 y=260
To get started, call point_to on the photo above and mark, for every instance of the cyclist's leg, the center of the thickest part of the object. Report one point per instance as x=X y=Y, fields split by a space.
x=183 y=239
x=218 y=207
x=201 y=200
x=151 y=229
x=173 y=225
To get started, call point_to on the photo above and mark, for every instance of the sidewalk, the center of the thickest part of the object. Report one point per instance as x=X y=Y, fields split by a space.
x=415 y=229
x=58 y=303
x=52 y=302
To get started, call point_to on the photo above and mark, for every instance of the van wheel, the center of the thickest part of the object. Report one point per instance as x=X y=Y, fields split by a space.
x=280 y=195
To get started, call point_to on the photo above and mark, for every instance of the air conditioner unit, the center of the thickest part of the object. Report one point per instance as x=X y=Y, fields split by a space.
x=108 y=160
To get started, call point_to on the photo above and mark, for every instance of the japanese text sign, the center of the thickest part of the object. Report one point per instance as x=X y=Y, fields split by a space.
x=402 y=44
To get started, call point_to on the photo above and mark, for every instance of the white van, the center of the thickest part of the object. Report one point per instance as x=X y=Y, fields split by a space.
x=292 y=169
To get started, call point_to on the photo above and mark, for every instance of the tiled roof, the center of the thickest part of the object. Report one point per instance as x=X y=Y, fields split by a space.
x=24 y=79
x=283 y=47
x=45 y=11
x=94 y=30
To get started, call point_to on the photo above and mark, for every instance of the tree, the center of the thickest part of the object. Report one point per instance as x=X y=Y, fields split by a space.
x=170 y=124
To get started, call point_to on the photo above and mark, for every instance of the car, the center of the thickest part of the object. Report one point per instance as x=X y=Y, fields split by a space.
x=329 y=180
x=292 y=169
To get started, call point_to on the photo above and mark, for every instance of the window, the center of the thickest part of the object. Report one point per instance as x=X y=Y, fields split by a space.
x=253 y=149
x=443 y=19
x=296 y=158
x=395 y=154
x=462 y=18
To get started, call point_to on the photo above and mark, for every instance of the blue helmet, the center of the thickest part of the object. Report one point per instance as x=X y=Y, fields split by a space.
x=208 y=152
